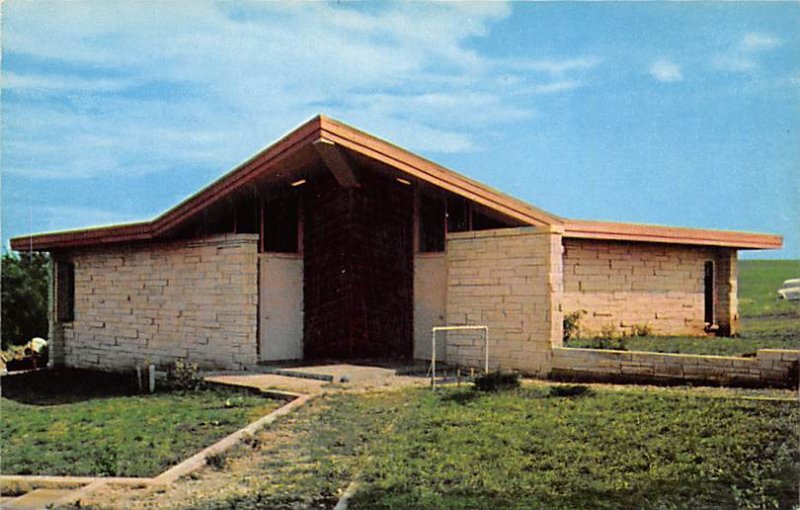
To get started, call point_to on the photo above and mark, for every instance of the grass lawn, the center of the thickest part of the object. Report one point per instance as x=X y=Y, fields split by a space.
x=609 y=447
x=767 y=323
x=80 y=423
x=759 y=281
x=769 y=332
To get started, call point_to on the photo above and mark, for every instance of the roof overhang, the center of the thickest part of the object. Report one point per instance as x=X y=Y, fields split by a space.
x=582 y=229
x=328 y=139
x=318 y=130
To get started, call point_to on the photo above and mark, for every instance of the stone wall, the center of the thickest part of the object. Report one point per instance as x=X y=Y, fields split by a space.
x=510 y=280
x=770 y=367
x=624 y=285
x=194 y=300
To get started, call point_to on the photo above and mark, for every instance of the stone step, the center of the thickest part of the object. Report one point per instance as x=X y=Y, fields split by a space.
x=37 y=499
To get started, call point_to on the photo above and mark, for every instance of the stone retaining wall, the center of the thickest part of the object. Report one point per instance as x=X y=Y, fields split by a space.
x=770 y=367
x=196 y=300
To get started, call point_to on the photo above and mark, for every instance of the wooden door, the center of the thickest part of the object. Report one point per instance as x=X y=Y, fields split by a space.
x=281 y=307
x=430 y=303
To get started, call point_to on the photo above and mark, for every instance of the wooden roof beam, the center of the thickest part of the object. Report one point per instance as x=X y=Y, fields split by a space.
x=337 y=162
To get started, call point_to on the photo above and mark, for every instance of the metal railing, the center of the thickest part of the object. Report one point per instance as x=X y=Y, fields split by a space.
x=436 y=329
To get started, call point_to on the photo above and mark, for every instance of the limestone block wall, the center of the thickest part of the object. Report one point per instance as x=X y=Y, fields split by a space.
x=195 y=300
x=770 y=367
x=622 y=285
x=510 y=280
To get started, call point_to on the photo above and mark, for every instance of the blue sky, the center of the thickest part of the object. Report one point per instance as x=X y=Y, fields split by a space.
x=668 y=113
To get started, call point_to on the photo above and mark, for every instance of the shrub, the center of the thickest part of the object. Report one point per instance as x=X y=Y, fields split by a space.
x=217 y=460
x=24 y=297
x=641 y=330
x=497 y=381
x=608 y=339
x=252 y=440
x=184 y=376
x=572 y=324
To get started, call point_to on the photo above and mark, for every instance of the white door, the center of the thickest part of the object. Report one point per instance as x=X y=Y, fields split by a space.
x=281 y=307
x=430 y=303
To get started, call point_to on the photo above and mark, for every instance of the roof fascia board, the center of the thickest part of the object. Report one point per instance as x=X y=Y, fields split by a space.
x=581 y=229
x=236 y=178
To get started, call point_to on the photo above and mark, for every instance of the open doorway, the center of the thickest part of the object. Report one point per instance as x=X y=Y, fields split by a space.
x=708 y=290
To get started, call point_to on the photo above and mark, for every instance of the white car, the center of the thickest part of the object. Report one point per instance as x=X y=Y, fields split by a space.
x=790 y=290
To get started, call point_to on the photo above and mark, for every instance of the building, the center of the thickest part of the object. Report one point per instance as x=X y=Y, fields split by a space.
x=332 y=243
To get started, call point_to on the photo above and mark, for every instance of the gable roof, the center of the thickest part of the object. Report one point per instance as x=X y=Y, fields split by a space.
x=271 y=159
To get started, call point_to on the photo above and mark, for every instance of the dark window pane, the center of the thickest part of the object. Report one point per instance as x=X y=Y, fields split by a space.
x=281 y=225
x=247 y=218
x=457 y=214
x=708 y=283
x=65 y=291
x=483 y=222
x=431 y=225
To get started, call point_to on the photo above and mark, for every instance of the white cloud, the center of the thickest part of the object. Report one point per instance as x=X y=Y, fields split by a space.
x=142 y=87
x=755 y=41
x=557 y=86
x=743 y=56
x=665 y=70
x=557 y=67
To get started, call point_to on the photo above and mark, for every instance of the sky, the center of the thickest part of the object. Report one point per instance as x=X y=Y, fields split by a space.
x=684 y=114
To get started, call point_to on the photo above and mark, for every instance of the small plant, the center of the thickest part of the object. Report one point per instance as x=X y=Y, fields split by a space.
x=608 y=331
x=184 y=376
x=572 y=324
x=251 y=440
x=608 y=339
x=497 y=381
x=217 y=460
x=641 y=330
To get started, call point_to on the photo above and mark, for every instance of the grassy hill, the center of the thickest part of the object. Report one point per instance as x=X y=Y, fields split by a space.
x=759 y=281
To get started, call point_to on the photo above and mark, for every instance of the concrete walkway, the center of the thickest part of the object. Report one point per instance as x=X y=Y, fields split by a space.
x=324 y=378
x=292 y=380
x=34 y=500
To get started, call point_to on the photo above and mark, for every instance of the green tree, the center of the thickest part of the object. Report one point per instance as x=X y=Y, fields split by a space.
x=24 y=297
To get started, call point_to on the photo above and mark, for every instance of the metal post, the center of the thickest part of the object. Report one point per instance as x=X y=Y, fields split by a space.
x=433 y=358
x=486 y=349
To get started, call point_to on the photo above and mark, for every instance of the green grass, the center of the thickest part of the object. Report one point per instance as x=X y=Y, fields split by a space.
x=77 y=423
x=770 y=332
x=767 y=323
x=530 y=448
x=759 y=281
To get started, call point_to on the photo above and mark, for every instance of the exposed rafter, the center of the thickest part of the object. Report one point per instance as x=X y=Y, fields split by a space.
x=337 y=162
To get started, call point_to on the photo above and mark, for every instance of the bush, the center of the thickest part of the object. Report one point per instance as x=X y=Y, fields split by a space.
x=641 y=330
x=608 y=339
x=497 y=381
x=184 y=376
x=24 y=297
x=217 y=461
x=572 y=324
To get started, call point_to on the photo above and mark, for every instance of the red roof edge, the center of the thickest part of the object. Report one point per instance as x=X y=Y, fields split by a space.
x=584 y=229
x=405 y=161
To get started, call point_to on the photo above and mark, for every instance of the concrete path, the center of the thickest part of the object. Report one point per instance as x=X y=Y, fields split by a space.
x=307 y=378
x=296 y=379
x=35 y=500
x=270 y=382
